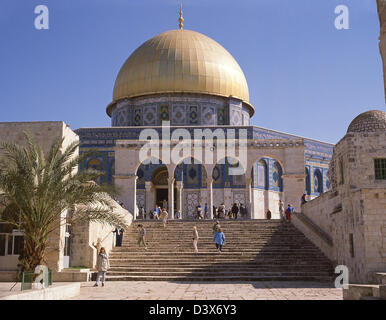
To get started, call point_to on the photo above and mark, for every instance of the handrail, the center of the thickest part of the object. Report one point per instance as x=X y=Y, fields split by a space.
x=312 y=225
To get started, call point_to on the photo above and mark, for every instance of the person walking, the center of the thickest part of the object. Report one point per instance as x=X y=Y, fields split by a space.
x=222 y=211
x=235 y=210
x=216 y=226
x=102 y=265
x=288 y=212
x=164 y=217
x=199 y=212
x=219 y=239
x=195 y=239
x=142 y=213
x=269 y=214
x=141 y=236
x=118 y=243
x=156 y=213
x=206 y=211
x=242 y=211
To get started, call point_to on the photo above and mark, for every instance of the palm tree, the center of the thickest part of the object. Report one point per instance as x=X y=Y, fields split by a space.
x=36 y=189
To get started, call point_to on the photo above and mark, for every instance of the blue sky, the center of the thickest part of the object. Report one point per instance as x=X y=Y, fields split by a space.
x=305 y=77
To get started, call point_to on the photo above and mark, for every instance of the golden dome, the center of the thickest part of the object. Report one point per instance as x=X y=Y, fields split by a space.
x=181 y=61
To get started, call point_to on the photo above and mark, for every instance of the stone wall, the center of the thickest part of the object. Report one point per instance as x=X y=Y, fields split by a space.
x=44 y=134
x=264 y=200
x=83 y=235
x=353 y=213
x=87 y=237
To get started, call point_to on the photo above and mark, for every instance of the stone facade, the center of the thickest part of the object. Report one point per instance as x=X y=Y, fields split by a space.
x=87 y=237
x=353 y=213
x=82 y=236
x=45 y=134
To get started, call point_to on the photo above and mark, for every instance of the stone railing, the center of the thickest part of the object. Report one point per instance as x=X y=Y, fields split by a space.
x=314 y=233
x=315 y=228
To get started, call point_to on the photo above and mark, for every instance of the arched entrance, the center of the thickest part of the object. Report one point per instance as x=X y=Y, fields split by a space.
x=152 y=185
x=159 y=180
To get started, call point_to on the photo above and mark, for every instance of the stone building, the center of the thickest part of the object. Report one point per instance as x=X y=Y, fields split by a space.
x=69 y=245
x=349 y=221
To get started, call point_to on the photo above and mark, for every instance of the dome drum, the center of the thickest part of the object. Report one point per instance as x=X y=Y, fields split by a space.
x=180 y=110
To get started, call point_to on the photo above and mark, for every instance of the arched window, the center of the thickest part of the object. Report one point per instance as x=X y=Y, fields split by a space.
x=318 y=181
x=94 y=164
x=277 y=181
x=262 y=174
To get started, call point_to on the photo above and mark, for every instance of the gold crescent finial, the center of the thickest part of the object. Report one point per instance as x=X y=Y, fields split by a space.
x=181 y=19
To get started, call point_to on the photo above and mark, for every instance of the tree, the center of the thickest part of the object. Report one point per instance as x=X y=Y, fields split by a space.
x=36 y=189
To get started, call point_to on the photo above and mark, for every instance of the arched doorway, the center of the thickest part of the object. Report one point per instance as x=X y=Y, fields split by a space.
x=159 y=180
x=152 y=185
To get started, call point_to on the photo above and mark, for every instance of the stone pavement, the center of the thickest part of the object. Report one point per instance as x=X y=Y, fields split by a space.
x=161 y=290
x=57 y=291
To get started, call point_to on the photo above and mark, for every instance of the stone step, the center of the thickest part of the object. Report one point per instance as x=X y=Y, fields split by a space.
x=217 y=273
x=211 y=268
x=229 y=262
x=203 y=255
x=255 y=250
x=233 y=278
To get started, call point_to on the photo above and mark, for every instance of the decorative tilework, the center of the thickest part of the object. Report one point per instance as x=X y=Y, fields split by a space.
x=220 y=116
x=137 y=117
x=235 y=117
x=239 y=197
x=149 y=115
x=140 y=197
x=193 y=115
x=277 y=182
x=262 y=174
x=178 y=114
x=164 y=113
x=191 y=202
x=208 y=115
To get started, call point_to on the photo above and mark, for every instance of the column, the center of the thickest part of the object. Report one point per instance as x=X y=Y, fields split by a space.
x=171 y=197
x=248 y=197
x=293 y=188
x=179 y=197
x=128 y=185
x=209 y=183
x=148 y=196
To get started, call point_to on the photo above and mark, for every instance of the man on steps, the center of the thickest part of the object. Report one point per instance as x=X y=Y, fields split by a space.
x=141 y=236
x=288 y=212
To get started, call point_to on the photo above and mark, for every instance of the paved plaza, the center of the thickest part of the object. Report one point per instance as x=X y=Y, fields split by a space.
x=160 y=290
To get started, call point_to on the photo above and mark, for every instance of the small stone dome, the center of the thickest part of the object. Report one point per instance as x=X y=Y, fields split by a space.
x=369 y=121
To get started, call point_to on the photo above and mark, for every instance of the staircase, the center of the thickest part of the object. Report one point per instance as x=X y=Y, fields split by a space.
x=266 y=250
